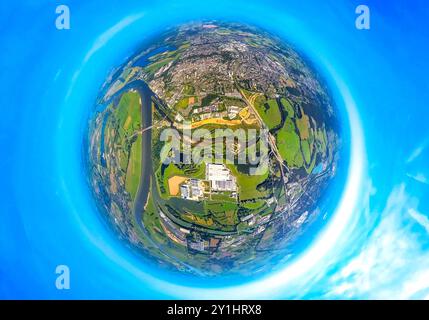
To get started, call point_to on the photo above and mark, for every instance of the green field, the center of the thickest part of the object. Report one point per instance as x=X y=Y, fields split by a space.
x=154 y=67
x=126 y=117
x=305 y=146
x=298 y=142
x=182 y=103
x=153 y=225
x=182 y=205
x=288 y=143
x=269 y=111
x=303 y=125
x=128 y=113
x=222 y=197
x=253 y=205
x=288 y=107
x=134 y=168
x=224 y=213
x=248 y=183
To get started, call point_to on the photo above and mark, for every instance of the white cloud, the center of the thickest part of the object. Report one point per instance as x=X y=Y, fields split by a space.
x=416 y=153
x=420 y=218
x=393 y=263
x=420 y=177
x=110 y=33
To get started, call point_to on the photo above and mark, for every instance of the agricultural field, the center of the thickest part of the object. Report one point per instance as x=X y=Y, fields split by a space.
x=269 y=111
x=134 y=167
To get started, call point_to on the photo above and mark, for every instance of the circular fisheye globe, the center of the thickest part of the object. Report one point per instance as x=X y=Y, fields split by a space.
x=211 y=148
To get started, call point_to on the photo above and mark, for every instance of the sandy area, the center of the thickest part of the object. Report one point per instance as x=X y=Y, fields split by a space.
x=174 y=183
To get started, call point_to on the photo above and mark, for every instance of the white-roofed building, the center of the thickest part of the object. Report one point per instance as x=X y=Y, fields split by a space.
x=220 y=177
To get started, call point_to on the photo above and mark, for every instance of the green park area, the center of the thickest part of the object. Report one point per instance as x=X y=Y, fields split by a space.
x=247 y=184
x=269 y=111
x=134 y=167
x=288 y=143
x=298 y=143
x=126 y=118
x=224 y=213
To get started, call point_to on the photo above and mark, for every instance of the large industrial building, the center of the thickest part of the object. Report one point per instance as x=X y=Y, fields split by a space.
x=220 y=177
